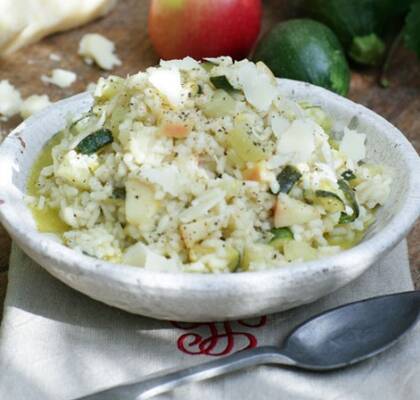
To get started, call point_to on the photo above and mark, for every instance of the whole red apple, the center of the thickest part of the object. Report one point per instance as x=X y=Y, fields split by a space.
x=204 y=28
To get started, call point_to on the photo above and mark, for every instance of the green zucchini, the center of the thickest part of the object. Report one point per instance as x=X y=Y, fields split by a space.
x=221 y=82
x=287 y=178
x=351 y=198
x=329 y=200
x=358 y=23
x=280 y=237
x=95 y=141
x=348 y=175
x=119 y=193
x=305 y=50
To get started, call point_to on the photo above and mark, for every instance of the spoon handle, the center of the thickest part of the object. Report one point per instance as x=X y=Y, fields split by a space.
x=164 y=382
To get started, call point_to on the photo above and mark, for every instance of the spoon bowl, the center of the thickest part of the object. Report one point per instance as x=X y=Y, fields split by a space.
x=351 y=333
x=333 y=339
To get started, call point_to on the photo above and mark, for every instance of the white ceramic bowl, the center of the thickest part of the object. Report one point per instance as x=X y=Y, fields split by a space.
x=199 y=297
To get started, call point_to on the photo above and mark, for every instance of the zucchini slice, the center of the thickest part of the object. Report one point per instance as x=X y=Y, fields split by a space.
x=329 y=200
x=287 y=178
x=119 y=193
x=281 y=236
x=221 y=82
x=95 y=141
x=351 y=198
x=348 y=175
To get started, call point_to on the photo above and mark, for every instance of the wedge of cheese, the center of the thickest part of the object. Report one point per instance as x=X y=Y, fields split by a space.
x=26 y=21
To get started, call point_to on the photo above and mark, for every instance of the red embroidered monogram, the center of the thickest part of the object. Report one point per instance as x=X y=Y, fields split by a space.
x=220 y=338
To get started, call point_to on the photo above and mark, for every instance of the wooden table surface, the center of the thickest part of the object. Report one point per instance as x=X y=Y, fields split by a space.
x=127 y=27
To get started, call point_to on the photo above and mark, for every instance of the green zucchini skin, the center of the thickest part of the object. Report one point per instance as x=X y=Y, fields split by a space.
x=95 y=141
x=305 y=50
x=348 y=175
x=357 y=23
x=287 y=178
x=119 y=193
x=351 y=198
x=280 y=237
x=330 y=201
x=221 y=82
x=282 y=233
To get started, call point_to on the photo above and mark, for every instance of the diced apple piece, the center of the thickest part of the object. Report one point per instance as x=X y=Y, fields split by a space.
x=174 y=130
x=253 y=174
x=244 y=147
x=220 y=105
x=232 y=258
x=234 y=160
x=289 y=211
x=198 y=251
x=258 y=173
x=294 y=250
x=197 y=231
x=257 y=253
x=139 y=255
x=140 y=204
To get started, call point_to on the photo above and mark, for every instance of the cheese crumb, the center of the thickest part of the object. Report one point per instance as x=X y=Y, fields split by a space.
x=54 y=57
x=60 y=77
x=96 y=48
x=297 y=142
x=34 y=104
x=257 y=85
x=168 y=82
x=10 y=100
x=353 y=145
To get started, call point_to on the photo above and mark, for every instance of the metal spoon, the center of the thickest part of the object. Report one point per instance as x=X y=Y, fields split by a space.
x=334 y=339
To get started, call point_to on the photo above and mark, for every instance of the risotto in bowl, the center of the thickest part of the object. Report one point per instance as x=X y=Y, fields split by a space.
x=203 y=167
x=208 y=190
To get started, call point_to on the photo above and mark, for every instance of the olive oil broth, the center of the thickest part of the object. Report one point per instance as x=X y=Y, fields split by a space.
x=47 y=219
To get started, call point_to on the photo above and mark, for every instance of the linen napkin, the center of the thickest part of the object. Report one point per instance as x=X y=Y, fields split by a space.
x=57 y=344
